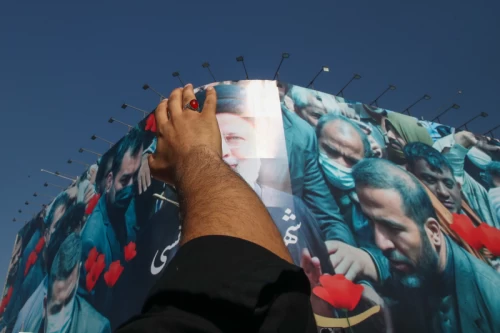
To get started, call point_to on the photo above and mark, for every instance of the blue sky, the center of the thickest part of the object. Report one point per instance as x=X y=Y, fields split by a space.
x=65 y=68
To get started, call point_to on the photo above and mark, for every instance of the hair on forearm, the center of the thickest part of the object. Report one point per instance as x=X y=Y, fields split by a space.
x=215 y=200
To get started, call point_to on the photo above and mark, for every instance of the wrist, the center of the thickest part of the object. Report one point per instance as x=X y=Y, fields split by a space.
x=198 y=162
x=369 y=269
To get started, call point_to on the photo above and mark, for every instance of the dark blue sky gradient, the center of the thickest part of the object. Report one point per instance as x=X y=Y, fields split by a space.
x=66 y=68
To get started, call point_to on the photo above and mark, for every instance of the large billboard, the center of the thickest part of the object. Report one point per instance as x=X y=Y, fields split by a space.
x=394 y=220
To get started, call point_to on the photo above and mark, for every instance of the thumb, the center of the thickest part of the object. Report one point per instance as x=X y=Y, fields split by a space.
x=210 y=105
x=332 y=246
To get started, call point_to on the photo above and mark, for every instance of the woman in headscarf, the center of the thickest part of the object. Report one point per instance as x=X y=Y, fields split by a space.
x=401 y=130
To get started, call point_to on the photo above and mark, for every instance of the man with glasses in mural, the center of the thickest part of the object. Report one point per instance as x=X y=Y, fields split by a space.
x=437 y=285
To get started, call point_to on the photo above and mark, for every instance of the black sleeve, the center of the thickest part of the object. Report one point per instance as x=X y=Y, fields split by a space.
x=225 y=284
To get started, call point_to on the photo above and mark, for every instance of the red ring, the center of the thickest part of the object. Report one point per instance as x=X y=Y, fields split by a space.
x=194 y=105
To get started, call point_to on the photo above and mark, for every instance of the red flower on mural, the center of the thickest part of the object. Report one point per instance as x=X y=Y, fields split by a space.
x=113 y=273
x=339 y=292
x=39 y=246
x=490 y=237
x=91 y=258
x=6 y=300
x=151 y=123
x=464 y=227
x=30 y=262
x=92 y=203
x=90 y=282
x=95 y=271
x=130 y=251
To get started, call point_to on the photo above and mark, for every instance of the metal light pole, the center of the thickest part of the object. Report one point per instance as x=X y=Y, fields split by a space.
x=242 y=60
x=94 y=137
x=354 y=77
x=207 y=66
x=323 y=69
x=391 y=87
x=491 y=131
x=453 y=106
x=283 y=57
x=177 y=75
x=144 y=112
x=112 y=120
x=57 y=174
x=81 y=150
x=147 y=86
x=464 y=125
x=425 y=97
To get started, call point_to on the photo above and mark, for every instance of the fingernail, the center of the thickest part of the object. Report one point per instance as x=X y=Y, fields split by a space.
x=210 y=88
x=188 y=85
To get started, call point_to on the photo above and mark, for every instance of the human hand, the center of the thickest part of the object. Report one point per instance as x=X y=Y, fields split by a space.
x=349 y=113
x=465 y=139
x=312 y=269
x=85 y=192
x=351 y=261
x=180 y=132
x=382 y=322
x=311 y=266
x=144 y=176
x=92 y=174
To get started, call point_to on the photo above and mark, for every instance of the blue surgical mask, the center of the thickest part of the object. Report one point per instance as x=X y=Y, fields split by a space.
x=61 y=321
x=124 y=196
x=338 y=175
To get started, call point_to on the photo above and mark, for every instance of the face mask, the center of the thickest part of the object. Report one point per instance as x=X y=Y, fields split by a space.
x=479 y=158
x=124 y=196
x=339 y=176
x=60 y=322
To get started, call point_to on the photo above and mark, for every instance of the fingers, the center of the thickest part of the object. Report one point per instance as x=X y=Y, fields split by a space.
x=210 y=105
x=148 y=176
x=343 y=266
x=332 y=246
x=187 y=95
x=174 y=103
x=152 y=164
x=353 y=271
x=161 y=113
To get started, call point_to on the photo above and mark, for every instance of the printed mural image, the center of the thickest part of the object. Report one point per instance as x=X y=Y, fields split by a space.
x=394 y=220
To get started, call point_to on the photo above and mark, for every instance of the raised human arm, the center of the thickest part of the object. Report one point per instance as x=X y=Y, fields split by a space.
x=213 y=199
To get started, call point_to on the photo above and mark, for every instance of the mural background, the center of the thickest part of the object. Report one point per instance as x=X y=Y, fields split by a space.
x=87 y=261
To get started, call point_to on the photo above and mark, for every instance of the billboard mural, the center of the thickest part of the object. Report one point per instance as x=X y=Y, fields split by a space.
x=395 y=221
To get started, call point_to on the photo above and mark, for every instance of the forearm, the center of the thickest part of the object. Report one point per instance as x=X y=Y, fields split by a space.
x=456 y=158
x=214 y=200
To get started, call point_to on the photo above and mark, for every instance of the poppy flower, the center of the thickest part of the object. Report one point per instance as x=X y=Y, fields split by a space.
x=90 y=281
x=30 y=262
x=98 y=267
x=113 y=273
x=39 y=246
x=92 y=203
x=91 y=258
x=464 y=227
x=339 y=292
x=151 y=123
x=130 y=251
x=490 y=237
x=9 y=293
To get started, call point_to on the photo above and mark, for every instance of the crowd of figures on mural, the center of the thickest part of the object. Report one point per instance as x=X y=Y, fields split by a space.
x=404 y=212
